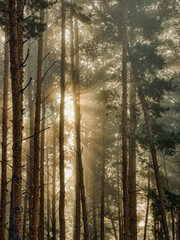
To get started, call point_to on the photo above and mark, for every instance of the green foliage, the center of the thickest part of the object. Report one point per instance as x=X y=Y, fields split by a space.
x=34 y=27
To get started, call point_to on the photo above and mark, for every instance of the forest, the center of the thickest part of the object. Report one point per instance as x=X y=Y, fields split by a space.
x=90 y=120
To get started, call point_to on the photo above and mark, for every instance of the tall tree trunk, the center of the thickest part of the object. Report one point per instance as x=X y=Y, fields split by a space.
x=35 y=210
x=54 y=183
x=4 y=141
x=112 y=220
x=31 y=150
x=132 y=163
x=61 y=131
x=25 y=202
x=147 y=207
x=119 y=199
x=48 y=200
x=124 y=123
x=79 y=165
x=94 y=215
x=153 y=152
x=103 y=172
x=77 y=218
x=16 y=82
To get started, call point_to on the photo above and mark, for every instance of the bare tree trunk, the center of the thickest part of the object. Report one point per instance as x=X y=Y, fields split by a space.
x=153 y=152
x=119 y=199
x=124 y=123
x=48 y=200
x=132 y=163
x=79 y=165
x=112 y=220
x=31 y=150
x=77 y=219
x=16 y=82
x=25 y=202
x=103 y=173
x=54 y=183
x=61 y=132
x=35 y=210
x=147 y=207
x=94 y=215
x=4 y=141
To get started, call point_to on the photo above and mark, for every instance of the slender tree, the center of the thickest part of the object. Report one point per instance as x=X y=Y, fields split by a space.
x=124 y=121
x=4 y=142
x=16 y=60
x=61 y=127
x=35 y=209
x=132 y=163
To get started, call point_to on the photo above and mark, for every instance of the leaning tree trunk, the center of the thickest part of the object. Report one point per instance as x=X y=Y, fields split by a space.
x=35 y=210
x=153 y=152
x=15 y=231
x=61 y=127
x=124 y=122
x=132 y=163
x=4 y=142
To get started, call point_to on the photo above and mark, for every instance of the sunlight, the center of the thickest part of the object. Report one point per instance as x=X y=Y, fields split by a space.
x=69 y=107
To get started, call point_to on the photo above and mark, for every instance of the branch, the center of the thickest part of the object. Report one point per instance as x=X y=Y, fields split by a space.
x=22 y=90
x=48 y=71
x=36 y=133
x=47 y=96
x=45 y=56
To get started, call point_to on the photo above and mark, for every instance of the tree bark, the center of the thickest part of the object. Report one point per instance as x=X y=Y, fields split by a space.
x=35 y=210
x=124 y=122
x=16 y=83
x=132 y=163
x=61 y=132
x=79 y=165
x=4 y=142
x=48 y=200
x=103 y=172
x=153 y=152
x=147 y=206
x=54 y=183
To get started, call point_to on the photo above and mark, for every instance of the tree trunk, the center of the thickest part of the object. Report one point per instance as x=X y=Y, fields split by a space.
x=112 y=220
x=132 y=163
x=147 y=207
x=153 y=152
x=79 y=165
x=16 y=82
x=94 y=215
x=31 y=141
x=77 y=218
x=54 y=183
x=103 y=172
x=4 y=141
x=119 y=199
x=35 y=210
x=61 y=132
x=124 y=122
x=48 y=200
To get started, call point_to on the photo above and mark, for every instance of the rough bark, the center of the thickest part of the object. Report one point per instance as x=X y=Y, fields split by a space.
x=4 y=142
x=132 y=163
x=35 y=210
x=153 y=153
x=61 y=127
x=16 y=83
x=124 y=122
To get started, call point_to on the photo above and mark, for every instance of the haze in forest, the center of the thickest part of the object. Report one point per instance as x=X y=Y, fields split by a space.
x=90 y=129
